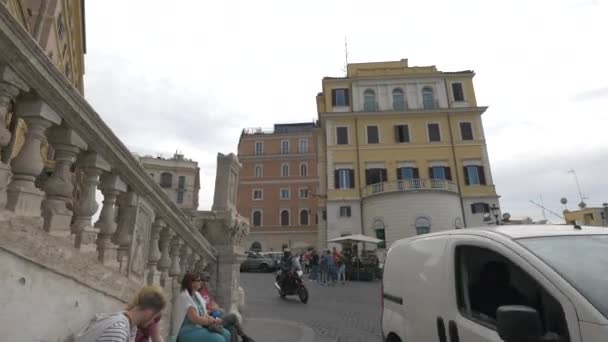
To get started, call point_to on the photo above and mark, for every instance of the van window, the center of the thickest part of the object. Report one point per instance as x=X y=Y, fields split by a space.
x=486 y=280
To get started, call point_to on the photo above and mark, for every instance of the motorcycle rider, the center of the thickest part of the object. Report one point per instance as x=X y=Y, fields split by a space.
x=288 y=264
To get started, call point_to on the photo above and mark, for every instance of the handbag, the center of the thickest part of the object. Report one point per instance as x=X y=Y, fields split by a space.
x=216 y=328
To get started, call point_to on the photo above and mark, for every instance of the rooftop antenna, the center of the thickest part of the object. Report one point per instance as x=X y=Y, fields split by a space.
x=543 y=206
x=550 y=211
x=345 y=57
x=581 y=205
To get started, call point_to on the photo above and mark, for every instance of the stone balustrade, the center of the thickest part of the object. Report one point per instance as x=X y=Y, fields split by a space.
x=141 y=236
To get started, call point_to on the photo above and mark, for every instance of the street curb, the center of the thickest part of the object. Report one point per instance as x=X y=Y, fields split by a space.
x=308 y=335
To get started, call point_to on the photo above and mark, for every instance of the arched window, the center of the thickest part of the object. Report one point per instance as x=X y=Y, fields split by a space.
x=379 y=229
x=423 y=225
x=428 y=99
x=285 y=170
x=303 y=170
x=304 y=217
x=257 y=218
x=166 y=180
x=285 y=218
x=256 y=246
x=369 y=101
x=398 y=99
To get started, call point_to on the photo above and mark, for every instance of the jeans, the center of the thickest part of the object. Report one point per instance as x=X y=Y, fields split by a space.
x=342 y=273
x=314 y=274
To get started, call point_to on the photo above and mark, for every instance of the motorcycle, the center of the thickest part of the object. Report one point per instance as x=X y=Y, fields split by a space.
x=293 y=285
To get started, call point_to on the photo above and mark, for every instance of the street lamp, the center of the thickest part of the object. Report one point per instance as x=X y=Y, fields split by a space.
x=496 y=212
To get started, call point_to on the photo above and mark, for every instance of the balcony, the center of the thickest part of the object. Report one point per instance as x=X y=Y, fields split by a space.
x=411 y=185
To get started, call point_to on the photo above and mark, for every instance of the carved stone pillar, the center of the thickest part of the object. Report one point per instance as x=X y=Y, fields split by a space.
x=10 y=87
x=165 y=260
x=85 y=205
x=176 y=244
x=111 y=185
x=184 y=258
x=192 y=257
x=154 y=253
x=200 y=264
x=22 y=196
x=123 y=237
x=59 y=187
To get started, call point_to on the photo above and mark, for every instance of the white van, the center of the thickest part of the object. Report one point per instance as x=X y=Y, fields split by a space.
x=510 y=283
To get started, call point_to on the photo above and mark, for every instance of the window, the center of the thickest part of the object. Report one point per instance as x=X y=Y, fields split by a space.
x=440 y=172
x=474 y=175
x=466 y=131
x=259 y=148
x=402 y=133
x=369 y=101
x=284 y=217
x=380 y=233
x=258 y=171
x=434 y=132
x=304 y=193
x=457 y=92
x=375 y=176
x=324 y=215
x=407 y=173
x=256 y=247
x=166 y=180
x=428 y=99
x=256 y=218
x=284 y=146
x=339 y=97
x=372 y=135
x=285 y=170
x=180 y=197
x=181 y=182
x=303 y=145
x=344 y=178
x=304 y=217
x=423 y=225
x=342 y=135
x=486 y=280
x=303 y=170
x=345 y=211
x=284 y=194
x=258 y=194
x=398 y=99
x=480 y=208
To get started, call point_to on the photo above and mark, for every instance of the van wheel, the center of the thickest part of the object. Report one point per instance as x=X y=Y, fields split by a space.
x=393 y=338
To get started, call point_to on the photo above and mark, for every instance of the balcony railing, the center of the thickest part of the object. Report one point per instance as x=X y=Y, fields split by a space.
x=370 y=106
x=415 y=184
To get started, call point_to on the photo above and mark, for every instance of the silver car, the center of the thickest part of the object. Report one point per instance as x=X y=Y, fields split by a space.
x=257 y=262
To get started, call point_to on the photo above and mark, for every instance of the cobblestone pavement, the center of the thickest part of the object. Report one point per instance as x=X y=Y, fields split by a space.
x=344 y=313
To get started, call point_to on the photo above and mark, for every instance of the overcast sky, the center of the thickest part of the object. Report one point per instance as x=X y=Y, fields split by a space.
x=189 y=75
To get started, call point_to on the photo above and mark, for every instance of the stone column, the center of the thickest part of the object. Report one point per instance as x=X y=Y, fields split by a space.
x=111 y=185
x=123 y=237
x=23 y=198
x=200 y=264
x=192 y=257
x=85 y=204
x=10 y=87
x=154 y=253
x=165 y=260
x=176 y=244
x=185 y=252
x=59 y=187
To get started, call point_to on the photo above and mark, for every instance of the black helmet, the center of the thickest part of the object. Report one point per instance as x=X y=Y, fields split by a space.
x=286 y=252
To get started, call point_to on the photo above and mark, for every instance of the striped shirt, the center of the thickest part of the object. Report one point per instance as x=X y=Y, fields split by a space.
x=119 y=332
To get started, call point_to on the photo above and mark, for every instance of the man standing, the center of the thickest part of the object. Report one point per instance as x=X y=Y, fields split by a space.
x=230 y=320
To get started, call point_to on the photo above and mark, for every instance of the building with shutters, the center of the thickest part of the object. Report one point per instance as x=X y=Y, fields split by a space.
x=402 y=152
x=278 y=186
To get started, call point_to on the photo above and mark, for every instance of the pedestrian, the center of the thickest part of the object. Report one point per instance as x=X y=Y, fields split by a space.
x=122 y=326
x=341 y=266
x=324 y=269
x=331 y=268
x=314 y=264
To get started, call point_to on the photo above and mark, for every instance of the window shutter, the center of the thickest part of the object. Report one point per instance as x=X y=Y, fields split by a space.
x=474 y=208
x=482 y=175
x=431 y=175
x=336 y=179
x=367 y=177
x=351 y=176
x=384 y=176
x=416 y=173
x=448 y=173
x=399 y=174
x=346 y=97
x=348 y=213
x=406 y=133
x=397 y=138
x=466 y=176
x=333 y=97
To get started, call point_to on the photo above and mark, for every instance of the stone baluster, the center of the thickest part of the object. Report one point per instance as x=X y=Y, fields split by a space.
x=200 y=264
x=85 y=205
x=23 y=198
x=59 y=187
x=165 y=260
x=185 y=255
x=154 y=253
x=111 y=186
x=127 y=212
x=192 y=257
x=175 y=270
x=10 y=87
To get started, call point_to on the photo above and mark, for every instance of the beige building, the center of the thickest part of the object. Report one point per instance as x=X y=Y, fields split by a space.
x=178 y=176
x=597 y=216
x=278 y=186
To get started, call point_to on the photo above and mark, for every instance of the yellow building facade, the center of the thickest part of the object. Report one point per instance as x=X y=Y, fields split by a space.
x=402 y=151
x=597 y=216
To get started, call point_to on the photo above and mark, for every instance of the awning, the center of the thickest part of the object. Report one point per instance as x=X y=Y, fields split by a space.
x=356 y=238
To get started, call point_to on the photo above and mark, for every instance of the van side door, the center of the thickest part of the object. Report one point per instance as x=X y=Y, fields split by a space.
x=486 y=273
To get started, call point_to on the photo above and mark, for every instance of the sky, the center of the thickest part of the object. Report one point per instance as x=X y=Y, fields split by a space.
x=190 y=75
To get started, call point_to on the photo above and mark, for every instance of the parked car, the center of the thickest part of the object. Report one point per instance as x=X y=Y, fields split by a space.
x=509 y=283
x=257 y=262
x=275 y=256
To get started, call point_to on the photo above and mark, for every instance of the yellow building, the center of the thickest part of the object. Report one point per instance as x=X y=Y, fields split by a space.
x=588 y=216
x=402 y=152
x=59 y=28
